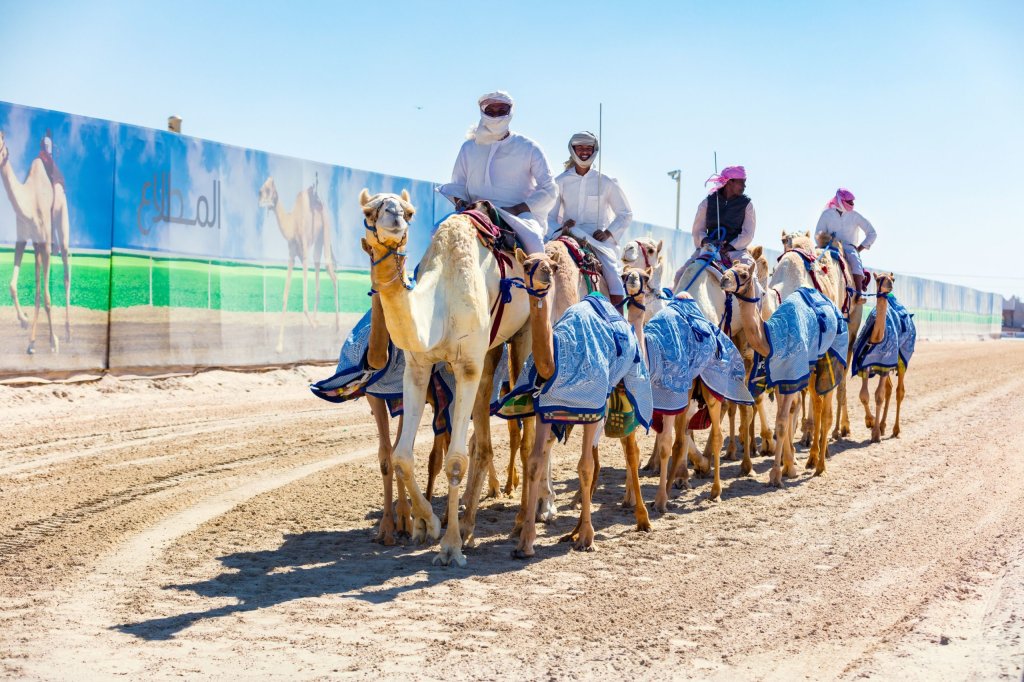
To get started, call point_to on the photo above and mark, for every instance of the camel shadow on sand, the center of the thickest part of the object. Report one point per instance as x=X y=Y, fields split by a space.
x=349 y=565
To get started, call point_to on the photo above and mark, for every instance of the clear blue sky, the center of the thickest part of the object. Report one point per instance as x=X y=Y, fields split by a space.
x=917 y=107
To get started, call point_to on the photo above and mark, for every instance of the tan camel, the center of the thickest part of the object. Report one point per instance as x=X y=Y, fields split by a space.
x=542 y=272
x=883 y=393
x=644 y=252
x=739 y=280
x=802 y=265
x=445 y=318
x=307 y=229
x=39 y=205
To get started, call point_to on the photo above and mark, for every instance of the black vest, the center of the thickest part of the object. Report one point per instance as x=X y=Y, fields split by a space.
x=729 y=214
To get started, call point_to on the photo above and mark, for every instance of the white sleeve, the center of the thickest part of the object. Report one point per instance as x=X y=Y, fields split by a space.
x=545 y=194
x=620 y=207
x=555 y=216
x=869 y=232
x=699 y=223
x=822 y=227
x=460 y=173
x=747 y=231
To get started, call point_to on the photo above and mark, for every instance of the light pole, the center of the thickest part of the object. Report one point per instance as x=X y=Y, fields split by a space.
x=676 y=175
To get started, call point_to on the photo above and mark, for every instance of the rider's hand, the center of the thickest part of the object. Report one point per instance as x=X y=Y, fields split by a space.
x=602 y=235
x=859 y=248
x=518 y=209
x=569 y=224
x=460 y=204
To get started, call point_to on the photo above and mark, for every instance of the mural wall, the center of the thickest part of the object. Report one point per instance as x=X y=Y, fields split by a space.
x=165 y=252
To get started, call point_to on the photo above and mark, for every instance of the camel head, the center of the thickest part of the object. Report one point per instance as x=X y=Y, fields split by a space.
x=539 y=271
x=642 y=248
x=387 y=217
x=797 y=240
x=762 y=269
x=739 y=279
x=884 y=282
x=637 y=282
x=268 y=194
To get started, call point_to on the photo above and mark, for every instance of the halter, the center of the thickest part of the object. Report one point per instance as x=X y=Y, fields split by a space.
x=394 y=252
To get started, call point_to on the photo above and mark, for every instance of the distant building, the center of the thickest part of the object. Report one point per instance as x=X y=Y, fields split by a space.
x=1013 y=313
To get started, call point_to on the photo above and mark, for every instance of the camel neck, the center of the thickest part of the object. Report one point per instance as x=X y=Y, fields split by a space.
x=541 y=337
x=284 y=221
x=752 y=323
x=881 y=310
x=12 y=187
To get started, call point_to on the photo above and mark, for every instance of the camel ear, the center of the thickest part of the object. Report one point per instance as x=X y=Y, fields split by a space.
x=783 y=234
x=366 y=246
x=520 y=255
x=757 y=251
x=649 y=271
x=554 y=267
x=364 y=197
x=661 y=243
x=807 y=233
x=405 y=196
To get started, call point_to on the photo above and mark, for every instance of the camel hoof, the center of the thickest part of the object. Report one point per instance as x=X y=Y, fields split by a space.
x=54 y=345
x=31 y=348
x=585 y=543
x=519 y=553
x=680 y=484
x=571 y=537
x=810 y=463
x=746 y=468
x=896 y=432
x=449 y=554
x=644 y=527
x=24 y=322
x=716 y=495
x=547 y=512
x=279 y=348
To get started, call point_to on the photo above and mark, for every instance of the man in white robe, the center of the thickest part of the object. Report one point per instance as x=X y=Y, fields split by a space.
x=839 y=219
x=593 y=208
x=507 y=169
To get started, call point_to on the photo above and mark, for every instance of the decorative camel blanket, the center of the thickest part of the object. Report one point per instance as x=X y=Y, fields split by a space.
x=896 y=347
x=806 y=328
x=594 y=350
x=354 y=378
x=683 y=345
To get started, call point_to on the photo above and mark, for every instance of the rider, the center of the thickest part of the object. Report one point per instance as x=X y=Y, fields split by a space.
x=507 y=169
x=841 y=221
x=593 y=208
x=726 y=216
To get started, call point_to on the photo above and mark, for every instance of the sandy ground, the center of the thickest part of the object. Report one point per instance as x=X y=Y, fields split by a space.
x=221 y=526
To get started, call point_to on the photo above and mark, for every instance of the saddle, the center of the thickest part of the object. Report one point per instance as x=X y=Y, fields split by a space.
x=491 y=229
x=585 y=260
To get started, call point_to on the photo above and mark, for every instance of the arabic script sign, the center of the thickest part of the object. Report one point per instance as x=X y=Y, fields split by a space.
x=159 y=203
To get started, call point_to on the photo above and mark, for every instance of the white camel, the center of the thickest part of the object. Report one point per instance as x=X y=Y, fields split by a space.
x=307 y=229
x=446 y=317
x=39 y=205
x=645 y=253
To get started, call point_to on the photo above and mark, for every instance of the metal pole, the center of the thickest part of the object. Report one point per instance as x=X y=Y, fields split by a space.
x=678 y=185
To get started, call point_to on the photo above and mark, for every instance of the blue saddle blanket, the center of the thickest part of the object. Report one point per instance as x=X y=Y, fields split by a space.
x=806 y=328
x=896 y=347
x=683 y=345
x=594 y=350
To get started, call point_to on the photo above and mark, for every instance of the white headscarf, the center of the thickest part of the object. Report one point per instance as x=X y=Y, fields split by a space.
x=583 y=138
x=491 y=128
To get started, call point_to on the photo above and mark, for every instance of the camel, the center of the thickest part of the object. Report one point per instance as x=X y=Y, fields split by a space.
x=541 y=271
x=801 y=265
x=884 y=346
x=446 y=317
x=307 y=229
x=369 y=365
x=807 y=331
x=648 y=252
x=39 y=207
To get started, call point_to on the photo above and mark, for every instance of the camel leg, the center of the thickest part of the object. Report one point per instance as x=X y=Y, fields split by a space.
x=876 y=430
x=515 y=441
x=653 y=461
x=48 y=302
x=483 y=455
x=767 y=436
x=825 y=417
x=533 y=471
x=900 y=392
x=284 y=306
x=386 y=531
x=530 y=425
x=812 y=450
x=582 y=536
x=437 y=453
x=414 y=382
x=546 y=510
x=665 y=479
x=64 y=235
x=730 y=448
x=837 y=433
x=316 y=284
x=869 y=420
x=746 y=438
x=715 y=441
x=632 y=451
x=807 y=410
x=19 y=252
x=403 y=509
x=305 y=291
x=885 y=408
x=783 y=434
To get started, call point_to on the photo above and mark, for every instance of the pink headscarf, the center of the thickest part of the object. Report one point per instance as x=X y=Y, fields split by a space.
x=842 y=201
x=729 y=173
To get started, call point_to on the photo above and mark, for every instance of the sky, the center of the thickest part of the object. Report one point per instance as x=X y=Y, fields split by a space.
x=917 y=107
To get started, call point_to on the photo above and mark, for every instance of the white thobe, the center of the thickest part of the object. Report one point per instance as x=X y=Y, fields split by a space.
x=740 y=244
x=845 y=226
x=594 y=201
x=507 y=172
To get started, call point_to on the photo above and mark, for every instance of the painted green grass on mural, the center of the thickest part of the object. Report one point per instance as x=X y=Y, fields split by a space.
x=90 y=280
x=228 y=286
